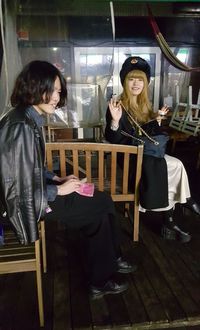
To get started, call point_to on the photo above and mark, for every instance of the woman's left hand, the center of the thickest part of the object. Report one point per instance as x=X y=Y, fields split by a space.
x=64 y=178
x=162 y=113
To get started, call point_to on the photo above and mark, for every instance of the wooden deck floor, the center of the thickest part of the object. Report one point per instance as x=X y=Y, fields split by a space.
x=163 y=293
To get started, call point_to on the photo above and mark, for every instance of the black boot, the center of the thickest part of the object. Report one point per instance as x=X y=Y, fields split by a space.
x=171 y=231
x=192 y=206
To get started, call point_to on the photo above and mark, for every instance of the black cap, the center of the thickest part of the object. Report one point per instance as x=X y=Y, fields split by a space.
x=134 y=63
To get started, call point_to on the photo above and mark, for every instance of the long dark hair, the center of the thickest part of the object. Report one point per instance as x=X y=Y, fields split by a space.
x=36 y=80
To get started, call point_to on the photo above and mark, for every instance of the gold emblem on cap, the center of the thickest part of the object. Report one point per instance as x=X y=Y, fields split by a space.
x=133 y=61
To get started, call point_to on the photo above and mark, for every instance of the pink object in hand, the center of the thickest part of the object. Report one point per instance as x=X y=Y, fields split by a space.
x=86 y=189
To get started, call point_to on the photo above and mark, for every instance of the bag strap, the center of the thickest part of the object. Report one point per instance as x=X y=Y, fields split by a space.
x=141 y=129
x=133 y=137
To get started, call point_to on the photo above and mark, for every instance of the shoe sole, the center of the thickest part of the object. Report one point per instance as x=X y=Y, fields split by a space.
x=181 y=240
x=102 y=294
x=127 y=271
x=186 y=209
x=185 y=239
x=175 y=236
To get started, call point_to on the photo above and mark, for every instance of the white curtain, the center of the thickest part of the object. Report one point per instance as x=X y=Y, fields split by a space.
x=11 y=64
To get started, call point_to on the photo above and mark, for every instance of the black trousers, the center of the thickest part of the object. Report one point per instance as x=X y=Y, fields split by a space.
x=95 y=217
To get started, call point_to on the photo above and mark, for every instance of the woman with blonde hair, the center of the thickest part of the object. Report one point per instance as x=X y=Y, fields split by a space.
x=129 y=119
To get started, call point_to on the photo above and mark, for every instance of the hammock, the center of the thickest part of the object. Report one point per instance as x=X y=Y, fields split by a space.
x=165 y=47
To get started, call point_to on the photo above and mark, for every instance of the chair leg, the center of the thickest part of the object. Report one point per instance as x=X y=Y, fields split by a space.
x=134 y=219
x=173 y=145
x=198 y=161
x=127 y=209
x=136 y=223
x=43 y=240
x=39 y=283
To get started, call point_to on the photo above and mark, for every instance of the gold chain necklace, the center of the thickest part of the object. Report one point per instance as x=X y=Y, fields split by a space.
x=140 y=128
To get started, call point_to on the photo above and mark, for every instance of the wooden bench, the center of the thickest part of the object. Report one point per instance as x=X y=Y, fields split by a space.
x=88 y=160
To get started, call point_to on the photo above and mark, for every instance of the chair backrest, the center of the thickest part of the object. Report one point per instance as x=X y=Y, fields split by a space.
x=186 y=116
x=90 y=160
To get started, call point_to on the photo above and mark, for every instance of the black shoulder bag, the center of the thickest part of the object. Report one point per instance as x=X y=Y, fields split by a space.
x=153 y=146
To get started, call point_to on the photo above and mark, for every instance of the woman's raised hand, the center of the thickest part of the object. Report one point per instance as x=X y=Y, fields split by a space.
x=163 y=111
x=115 y=109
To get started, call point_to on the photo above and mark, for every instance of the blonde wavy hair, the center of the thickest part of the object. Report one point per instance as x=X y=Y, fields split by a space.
x=140 y=109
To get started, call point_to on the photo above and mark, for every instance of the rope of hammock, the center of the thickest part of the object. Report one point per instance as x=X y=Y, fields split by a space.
x=165 y=47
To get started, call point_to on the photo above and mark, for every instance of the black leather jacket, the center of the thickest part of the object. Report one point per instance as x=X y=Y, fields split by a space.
x=22 y=186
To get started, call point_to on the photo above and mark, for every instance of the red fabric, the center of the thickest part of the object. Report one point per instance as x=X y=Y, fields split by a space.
x=165 y=47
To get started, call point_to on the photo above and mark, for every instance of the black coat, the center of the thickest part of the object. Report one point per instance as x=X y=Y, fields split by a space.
x=22 y=185
x=154 y=181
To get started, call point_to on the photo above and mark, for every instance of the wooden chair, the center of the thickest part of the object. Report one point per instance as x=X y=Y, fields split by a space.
x=41 y=227
x=185 y=118
x=15 y=258
x=88 y=160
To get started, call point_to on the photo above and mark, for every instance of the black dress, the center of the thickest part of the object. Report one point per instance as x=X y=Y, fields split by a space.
x=154 y=180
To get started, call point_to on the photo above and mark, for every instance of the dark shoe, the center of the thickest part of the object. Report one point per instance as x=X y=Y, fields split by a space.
x=110 y=287
x=124 y=267
x=175 y=233
x=192 y=206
